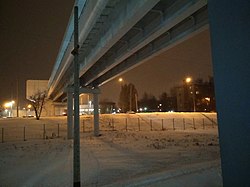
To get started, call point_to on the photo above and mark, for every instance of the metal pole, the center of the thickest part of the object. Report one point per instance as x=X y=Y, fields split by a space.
x=2 y=135
x=44 y=131
x=194 y=92
x=139 y=126
x=83 y=126
x=130 y=97
x=70 y=115
x=184 y=124
x=113 y=124
x=162 y=128
x=76 y=151
x=126 y=122
x=58 y=130
x=151 y=125
x=136 y=102
x=24 y=134
x=96 y=114
x=17 y=99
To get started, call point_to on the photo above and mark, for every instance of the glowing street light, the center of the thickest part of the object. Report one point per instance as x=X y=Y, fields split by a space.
x=120 y=79
x=10 y=104
x=188 y=79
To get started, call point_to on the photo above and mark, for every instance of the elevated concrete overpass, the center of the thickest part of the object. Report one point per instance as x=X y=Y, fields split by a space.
x=117 y=35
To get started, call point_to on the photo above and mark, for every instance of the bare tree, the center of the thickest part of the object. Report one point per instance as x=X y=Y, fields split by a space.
x=37 y=101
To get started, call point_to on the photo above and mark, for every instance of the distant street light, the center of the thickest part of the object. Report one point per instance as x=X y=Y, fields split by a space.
x=188 y=79
x=120 y=79
x=10 y=104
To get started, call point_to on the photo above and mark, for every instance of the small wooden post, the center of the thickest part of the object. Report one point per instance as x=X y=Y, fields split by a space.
x=126 y=123
x=162 y=127
x=173 y=124
x=83 y=126
x=113 y=124
x=58 y=130
x=2 y=135
x=151 y=125
x=44 y=132
x=184 y=124
x=24 y=134
x=139 y=126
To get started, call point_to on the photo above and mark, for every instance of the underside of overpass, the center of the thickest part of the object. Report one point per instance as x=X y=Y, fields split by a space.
x=116 y=36
x=113 y=44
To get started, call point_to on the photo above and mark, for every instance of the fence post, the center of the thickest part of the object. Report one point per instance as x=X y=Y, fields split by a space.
x=44 y=132
x=24 y=134
x=194 y=123
x=83 y=126
x=162 y=128
x=113 y=124
x=2 y=135
x=139 y=127
x=203 y=123
x=173 y=124
x=126 y=122
x=212 y=123
x=58 y=130
x=184 y=124
x=151 y=125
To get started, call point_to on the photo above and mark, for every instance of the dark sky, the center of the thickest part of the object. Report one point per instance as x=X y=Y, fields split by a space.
x=161 y=73
x=30 y=35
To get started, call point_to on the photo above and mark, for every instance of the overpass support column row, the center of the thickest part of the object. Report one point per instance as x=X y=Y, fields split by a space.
x=230 y=34
x=96 y=114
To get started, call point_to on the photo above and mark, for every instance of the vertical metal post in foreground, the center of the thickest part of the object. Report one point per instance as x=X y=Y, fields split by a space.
x=96 y=115
x=70 y=114
x=76 y=151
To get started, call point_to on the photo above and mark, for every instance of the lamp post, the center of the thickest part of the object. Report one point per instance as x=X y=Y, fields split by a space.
x=188 y=80
x=10 y=104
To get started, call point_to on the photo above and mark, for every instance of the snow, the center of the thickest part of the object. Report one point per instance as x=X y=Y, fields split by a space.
x=119 y=157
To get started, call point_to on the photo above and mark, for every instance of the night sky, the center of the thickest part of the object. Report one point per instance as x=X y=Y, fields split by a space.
x=31 y=33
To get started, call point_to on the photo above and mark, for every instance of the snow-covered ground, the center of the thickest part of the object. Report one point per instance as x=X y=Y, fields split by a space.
x=133 y=150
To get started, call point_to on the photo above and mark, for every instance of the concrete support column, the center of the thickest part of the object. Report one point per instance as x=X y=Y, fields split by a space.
x=230 y=35
x=96 y=114
x=70 y=114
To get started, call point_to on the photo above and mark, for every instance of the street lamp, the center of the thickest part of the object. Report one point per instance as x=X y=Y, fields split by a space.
x=10 y=104
x=188 y=80
x=120 y=79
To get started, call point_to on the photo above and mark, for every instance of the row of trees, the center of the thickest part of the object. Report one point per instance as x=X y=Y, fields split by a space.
x=198 y=96
x=128 y=100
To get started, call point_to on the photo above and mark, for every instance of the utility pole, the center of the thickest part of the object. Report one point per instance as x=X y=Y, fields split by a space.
x=17 y=98
x=130 y=97
x=76 y=151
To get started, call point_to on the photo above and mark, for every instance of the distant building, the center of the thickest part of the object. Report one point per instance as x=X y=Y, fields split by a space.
x=107 y=107
x=198 y=96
